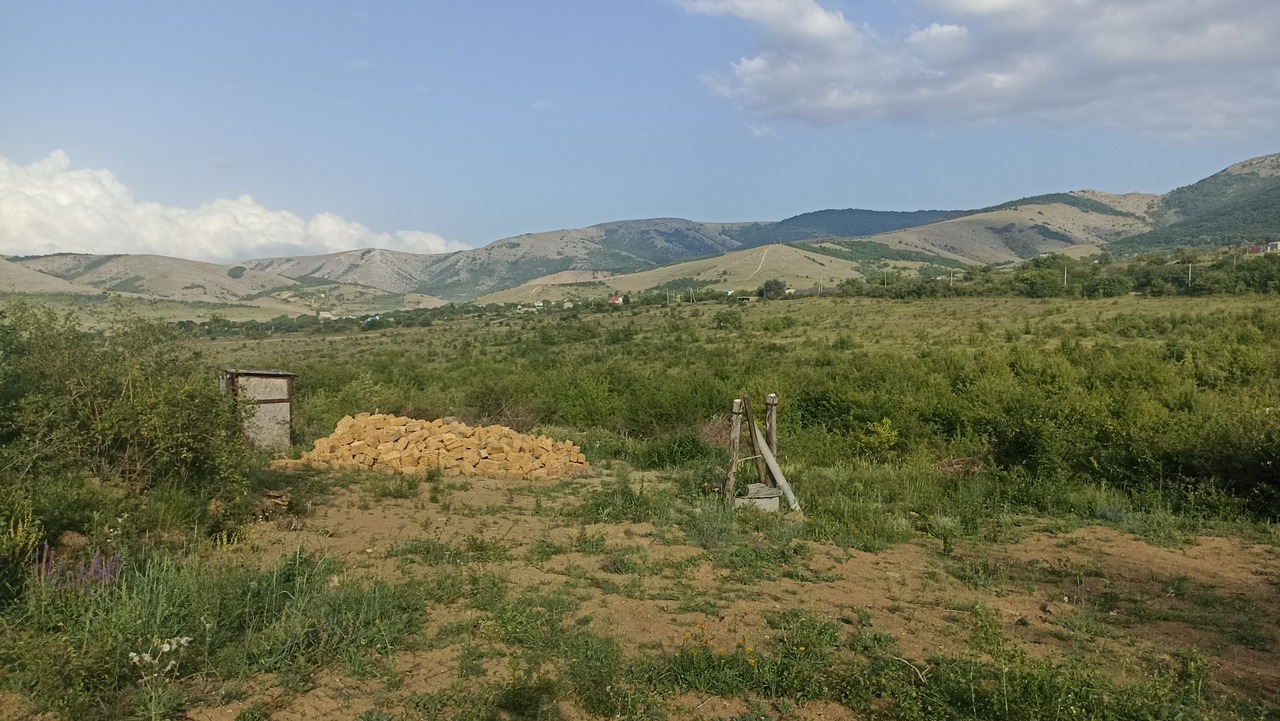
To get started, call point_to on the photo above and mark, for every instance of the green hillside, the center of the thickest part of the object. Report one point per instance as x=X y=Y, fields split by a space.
x=849 y=223
x=1249 y=218
x=1231 y=186
x=1088 y=205
x=873 y=253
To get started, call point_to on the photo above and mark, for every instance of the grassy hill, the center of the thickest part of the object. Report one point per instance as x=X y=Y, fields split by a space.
x=617 y=247
x=158 y=276
x=387 y=270
x=1245 y=219
x=16 y=278
x=1235 y=206
x=1024 y=229
x=1220 y=190
x=158 y=286
x=741 y=270
x=837 y=224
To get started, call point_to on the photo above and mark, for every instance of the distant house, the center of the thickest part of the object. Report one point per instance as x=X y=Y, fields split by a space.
x=567 y=304
x=615 y=299
x=1272 y=247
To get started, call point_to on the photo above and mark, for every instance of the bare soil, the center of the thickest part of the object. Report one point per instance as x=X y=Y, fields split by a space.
x=1093 y=593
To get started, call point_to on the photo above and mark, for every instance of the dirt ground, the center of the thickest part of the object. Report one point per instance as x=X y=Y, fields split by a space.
x=1092 y=593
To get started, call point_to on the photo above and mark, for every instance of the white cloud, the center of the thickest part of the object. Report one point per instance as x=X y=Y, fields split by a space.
x=1172 y=67
x=758 y=130
x=47 y=207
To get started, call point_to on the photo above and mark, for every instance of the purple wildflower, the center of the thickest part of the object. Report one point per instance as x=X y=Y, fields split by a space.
x=97 y=572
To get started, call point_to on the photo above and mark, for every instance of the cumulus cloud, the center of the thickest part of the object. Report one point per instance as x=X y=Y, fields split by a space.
x=1172 y=67
x=47 y=207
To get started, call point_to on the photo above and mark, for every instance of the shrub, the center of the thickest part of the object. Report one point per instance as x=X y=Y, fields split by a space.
x=131 y=405
x=75 y=654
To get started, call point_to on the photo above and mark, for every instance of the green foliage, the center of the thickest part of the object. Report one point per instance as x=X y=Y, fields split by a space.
x=898 y=422
x=72 y=648
x=132 y=406
x=1215 y=192
x=837 y=224
x=1248 y=218
x=1056 y=276
x=1088 y=205
x=20 y=535
x=1139 y=401
x=438 y=553
x=793 y=665
x=728 y=319
x=619 y=501
x=869 y=252
x=772 y=289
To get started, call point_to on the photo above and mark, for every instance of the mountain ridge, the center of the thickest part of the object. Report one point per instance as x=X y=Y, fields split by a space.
x=1232 y=205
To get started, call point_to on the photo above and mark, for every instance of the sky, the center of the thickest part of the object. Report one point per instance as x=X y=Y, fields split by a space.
x=240 y=129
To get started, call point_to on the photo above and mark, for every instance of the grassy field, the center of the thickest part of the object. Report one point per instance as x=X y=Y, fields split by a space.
x=1013 y=509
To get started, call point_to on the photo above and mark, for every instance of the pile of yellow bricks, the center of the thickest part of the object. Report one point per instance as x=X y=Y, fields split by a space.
x=399 y=444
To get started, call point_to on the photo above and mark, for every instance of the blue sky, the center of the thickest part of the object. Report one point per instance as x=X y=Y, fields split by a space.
x=439 y=125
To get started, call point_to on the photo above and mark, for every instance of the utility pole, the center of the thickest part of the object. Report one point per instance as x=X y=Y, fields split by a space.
x=1188 y=274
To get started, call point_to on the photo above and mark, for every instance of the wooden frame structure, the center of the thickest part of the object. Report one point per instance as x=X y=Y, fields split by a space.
x=764 y=447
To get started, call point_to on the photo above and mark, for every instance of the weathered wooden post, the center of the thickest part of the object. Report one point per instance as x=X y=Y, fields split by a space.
x=735 y=440
x=771 y=422
x=754 y=432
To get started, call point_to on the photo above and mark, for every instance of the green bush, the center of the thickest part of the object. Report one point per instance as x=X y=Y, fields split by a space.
x=72 y=648
x=126 y=410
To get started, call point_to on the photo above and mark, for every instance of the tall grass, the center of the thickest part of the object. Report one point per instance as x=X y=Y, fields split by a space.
x=71 y=648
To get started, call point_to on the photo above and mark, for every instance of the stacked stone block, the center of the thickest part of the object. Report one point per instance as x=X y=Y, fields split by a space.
x=399 y=444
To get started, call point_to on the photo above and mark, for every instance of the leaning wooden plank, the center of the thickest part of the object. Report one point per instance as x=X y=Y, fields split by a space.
x=772 y=462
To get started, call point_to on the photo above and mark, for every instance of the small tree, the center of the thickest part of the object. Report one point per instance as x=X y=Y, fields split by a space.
x=772 y=289
x=728 y=319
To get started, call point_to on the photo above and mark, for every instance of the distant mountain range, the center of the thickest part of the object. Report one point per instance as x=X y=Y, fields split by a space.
x=1241 y=204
